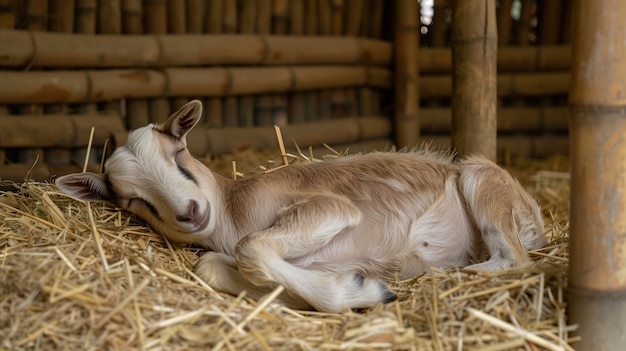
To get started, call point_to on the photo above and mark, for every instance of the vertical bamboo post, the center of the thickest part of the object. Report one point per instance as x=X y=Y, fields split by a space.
x=230 y=26
x=324 y=27
x=177 y=24
x=7 y=20
x=296 y=106
x=247 y=20
x=523 y=29
x=155 y=22
x=214 y=18
x=110 y=22
x=61 y=20
x=7 y=14
x=263 y=103
x=195 y=15
x=597 y=271
x=375 y=30
x=474 y=50
x=137 y=111
x=505 y=22
x=36 y=15
x=407 y=73
x=311 y=27
x=280 y=26
x=61 y=16
x=338 y=97
x=110 y=17
x=438 y=27
x=550 y=15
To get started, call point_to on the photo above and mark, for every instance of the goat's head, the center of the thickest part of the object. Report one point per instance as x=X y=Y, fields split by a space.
x=155 y=177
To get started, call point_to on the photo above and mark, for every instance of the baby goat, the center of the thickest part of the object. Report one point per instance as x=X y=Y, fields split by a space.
x=331 y=232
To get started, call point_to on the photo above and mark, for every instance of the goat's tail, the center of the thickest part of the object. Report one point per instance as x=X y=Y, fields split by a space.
x=507 y=216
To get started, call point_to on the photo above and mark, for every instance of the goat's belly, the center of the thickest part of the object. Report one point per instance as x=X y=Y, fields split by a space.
x=400 y=243
x=443 y=237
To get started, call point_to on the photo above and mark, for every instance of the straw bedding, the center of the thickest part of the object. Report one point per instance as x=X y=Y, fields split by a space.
x=88 y=276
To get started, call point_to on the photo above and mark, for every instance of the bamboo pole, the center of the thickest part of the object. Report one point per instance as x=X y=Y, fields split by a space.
x=83 y=86
x=340 y=131
x=510 y=119
x=439 y=27
x=85 y=17
x=526 y=146
x=311 y=18
x=550 y=19
x=523 y=29
x=311 y=99
x=36 y=15
x=213 y=23
x=7 y=14
x=510 y=59
x=137 y=111
x=280 y=25
x=50 y=50
x=297 y=101
x=325 y=17
x=155 y=22
x=61 y=20
x=58 y=130
x=177 y=24
x=296 y=17
x=516 y=84
x=176 y=16
x=263 y=104
x=195 y=15
x=132 y=17
x=505 y=22
x=73 y=86
x=17 y=172
x=407 y=73
x=474 y=49
x=597 y=271
x=62 y=16
x=109 y=17
x=248 y=21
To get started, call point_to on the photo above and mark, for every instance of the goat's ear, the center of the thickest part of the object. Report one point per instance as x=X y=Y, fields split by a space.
x=85 y=186
x=183 y=120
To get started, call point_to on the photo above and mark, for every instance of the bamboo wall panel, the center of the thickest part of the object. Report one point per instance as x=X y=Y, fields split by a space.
x=265 y=62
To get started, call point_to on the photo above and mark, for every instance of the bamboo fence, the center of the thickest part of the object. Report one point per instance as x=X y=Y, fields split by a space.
x=258 y=63
x=347 y=73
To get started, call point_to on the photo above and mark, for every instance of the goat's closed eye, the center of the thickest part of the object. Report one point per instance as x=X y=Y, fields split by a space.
x=137 y=201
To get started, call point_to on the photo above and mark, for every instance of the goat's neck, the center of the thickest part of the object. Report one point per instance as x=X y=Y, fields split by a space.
x=237 y=212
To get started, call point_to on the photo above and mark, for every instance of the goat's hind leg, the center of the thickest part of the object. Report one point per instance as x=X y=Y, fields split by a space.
x=507 y=217
x=302 y=228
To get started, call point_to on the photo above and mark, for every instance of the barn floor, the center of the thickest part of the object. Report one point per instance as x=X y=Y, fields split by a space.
x=87 y=276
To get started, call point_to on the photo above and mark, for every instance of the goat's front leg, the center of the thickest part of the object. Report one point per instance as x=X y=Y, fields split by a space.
x=220 y=272
x=307 y=225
